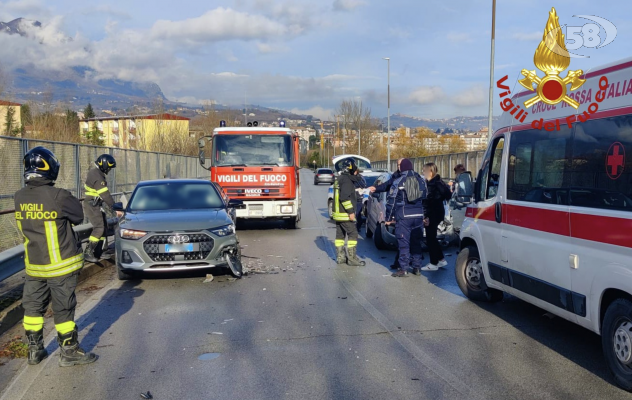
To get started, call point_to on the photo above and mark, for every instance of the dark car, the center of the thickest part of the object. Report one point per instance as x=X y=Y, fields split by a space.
x=324 y=175
x=177 y=225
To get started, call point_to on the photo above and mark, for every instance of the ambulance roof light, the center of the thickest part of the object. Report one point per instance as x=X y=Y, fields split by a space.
x=222 y=124
x=282 y=124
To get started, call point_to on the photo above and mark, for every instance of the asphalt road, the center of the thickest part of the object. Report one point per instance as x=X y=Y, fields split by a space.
x=317 y=331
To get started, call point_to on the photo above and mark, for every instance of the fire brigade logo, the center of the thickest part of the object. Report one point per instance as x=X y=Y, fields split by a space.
x=549 y=59
x=615 y=160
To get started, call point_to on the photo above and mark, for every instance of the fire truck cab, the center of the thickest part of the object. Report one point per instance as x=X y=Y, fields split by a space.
x=259 y=166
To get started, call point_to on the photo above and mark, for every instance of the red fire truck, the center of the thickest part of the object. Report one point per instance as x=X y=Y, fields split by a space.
x=259 y=166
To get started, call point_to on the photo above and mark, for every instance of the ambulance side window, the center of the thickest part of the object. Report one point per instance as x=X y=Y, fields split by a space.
x=601 y=174
x=490 y=179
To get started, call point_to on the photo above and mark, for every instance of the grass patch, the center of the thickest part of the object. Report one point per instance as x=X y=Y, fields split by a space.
x=15 y=348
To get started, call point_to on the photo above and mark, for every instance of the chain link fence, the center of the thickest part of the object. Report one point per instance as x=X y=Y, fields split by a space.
x=445 y=163
x=132 y=166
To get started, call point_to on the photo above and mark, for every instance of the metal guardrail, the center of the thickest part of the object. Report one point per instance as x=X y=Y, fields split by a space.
x=445 y=162
x=12 y=260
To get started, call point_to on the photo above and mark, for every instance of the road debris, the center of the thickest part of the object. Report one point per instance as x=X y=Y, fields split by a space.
x=146 y=395
x=216 y=333
x=14 y=348
x=209 y=278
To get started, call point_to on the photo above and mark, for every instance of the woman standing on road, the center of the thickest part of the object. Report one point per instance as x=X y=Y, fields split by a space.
x=438 y=192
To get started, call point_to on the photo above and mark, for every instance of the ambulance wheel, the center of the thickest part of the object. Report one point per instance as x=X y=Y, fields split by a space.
x=469 y=276
x=330 y=209
x=616 y=341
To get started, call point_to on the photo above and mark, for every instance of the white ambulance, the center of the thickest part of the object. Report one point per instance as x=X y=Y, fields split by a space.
x=552 y=219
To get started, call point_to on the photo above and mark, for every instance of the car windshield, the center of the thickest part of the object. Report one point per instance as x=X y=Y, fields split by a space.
x=370 y=180
x=175 y=196
x=252 y=150
x=325 y=171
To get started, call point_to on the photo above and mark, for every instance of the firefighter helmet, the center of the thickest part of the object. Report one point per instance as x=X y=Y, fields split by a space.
x=41 y=162
x=349 y=165
x=105 y=163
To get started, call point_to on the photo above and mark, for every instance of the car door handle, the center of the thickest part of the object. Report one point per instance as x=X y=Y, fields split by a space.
x=499 y=212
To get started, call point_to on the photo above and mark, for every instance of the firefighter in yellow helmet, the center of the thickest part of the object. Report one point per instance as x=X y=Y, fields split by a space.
x=344 y=214
x=52 y=257
x=97 y=194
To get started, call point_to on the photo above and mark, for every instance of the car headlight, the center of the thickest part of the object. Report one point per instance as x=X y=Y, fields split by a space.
x=224 y=230
x=132 y=234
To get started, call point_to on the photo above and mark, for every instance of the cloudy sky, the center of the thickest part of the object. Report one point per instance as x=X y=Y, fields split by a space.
x=305 y=55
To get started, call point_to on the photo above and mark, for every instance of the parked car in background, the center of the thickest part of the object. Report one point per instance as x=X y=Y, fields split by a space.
x=324 y=175
x=177 y=225
x=364 y=165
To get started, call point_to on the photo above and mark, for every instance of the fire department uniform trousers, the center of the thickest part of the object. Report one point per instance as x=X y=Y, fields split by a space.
x=52 y=253
x=344 y=204
x=96 y=188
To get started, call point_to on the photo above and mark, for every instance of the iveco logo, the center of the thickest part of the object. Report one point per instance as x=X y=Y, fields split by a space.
x=178 y=239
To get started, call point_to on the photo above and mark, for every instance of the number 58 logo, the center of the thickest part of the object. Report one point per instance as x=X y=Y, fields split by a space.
x=591 y=35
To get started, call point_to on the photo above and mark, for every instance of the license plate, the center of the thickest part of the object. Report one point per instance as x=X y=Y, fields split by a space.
x=255 y=212
x=178 y=248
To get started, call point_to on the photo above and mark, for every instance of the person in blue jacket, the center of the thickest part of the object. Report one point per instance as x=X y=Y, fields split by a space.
x=406 y=195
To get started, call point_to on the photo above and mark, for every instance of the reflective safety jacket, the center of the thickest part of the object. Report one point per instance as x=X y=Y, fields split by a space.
x=96 y=187
x=45 y=215
x=397 y=203
x=345 y=199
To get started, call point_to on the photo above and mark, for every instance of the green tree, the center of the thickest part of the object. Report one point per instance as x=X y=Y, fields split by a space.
x=25 y=115
x=88 y=112
x=312 y=141
x=10 y=126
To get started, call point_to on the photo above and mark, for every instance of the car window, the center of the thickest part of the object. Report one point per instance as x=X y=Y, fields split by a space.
x=370 y=180
x=175 y=196
x=490 y=178
x=325 y=171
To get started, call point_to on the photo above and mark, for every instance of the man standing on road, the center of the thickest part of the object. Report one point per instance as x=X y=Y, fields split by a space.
x=406 y=194
x=52 y=257
x=97 y=194
x=345 y=203
x=385 y=187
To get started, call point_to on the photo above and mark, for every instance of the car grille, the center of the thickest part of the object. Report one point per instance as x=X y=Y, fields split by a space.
x=152 y=247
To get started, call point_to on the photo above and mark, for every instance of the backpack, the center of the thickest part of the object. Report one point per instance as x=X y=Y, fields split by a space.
x=413 y=190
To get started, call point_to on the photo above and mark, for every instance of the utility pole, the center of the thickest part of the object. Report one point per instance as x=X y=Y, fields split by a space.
x=344 y=132
x=491 y=75
x=388 y=117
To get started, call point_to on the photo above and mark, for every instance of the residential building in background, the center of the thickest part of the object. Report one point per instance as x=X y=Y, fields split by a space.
x=135 y=131
x=13 y=126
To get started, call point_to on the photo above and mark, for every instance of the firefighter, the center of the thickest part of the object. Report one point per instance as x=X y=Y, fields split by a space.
x=97 y=194
x=406 y=195
x=345 y=203
x=52 y=256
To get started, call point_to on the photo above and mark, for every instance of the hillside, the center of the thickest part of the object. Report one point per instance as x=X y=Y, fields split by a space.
x=464 y=123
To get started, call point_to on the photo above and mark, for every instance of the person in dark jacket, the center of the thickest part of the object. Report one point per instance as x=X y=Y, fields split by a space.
x=385 y=187
x=438 y=192
x=344 y=213
x=97 y=194
x=407 y=194
x=52 y=258
x=359 y=184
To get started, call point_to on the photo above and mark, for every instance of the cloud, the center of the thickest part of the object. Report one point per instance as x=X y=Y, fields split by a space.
x=459 y=37
x=316 y=111
x=347 y=5
x=426 y=95
x=106 y=9
x=267 y=48
x=32 y=9
x=219 y=24
x=473 y=96
x=399 y=33
x=527 y=37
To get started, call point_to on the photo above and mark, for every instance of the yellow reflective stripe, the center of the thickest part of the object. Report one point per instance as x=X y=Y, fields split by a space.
x=347 y=204
x=341 y=217
x=90 y=191
x=65 y=327
x=52 y=267
x=105 y=189
x=26 y=244
x=339 y=242
x=52 y=241
x=61 y=272
x=352 y=243
x=93 y=239
x=33 y=323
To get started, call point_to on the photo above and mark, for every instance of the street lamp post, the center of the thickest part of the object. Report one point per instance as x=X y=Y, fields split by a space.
x=388 y=117
x=344 y=132
x=491 y=74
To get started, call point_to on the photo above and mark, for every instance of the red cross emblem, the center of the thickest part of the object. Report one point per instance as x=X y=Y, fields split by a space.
x=615 y=160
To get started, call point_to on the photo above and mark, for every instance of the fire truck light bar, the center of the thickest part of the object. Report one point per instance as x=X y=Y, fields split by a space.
x=222 y=124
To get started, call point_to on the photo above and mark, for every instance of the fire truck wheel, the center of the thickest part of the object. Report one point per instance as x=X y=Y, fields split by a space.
x=469 y=276
x=290 y=223
x=616 y=341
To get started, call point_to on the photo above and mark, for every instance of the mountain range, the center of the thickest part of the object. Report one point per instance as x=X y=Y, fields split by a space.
x=473 y=124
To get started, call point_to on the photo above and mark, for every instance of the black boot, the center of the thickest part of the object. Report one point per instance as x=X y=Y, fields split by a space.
x=37 y=352
x=69 y=351
x=88 y=253
x=352 y=258
x=341 y=257
x=401 y=273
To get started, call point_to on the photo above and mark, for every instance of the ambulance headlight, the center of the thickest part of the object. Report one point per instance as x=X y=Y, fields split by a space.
x=287 y=209
x=132 y=234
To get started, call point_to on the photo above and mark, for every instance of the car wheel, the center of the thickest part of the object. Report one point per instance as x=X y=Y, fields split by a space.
x=469 y=276
x=125 y=276
x=378 y=239
x=330 y=209
x=315 y=183
x=616 y=340
x=369 y=234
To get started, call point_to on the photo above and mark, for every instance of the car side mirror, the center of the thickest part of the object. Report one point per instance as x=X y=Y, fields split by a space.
x=118 y=207
x=236 y=204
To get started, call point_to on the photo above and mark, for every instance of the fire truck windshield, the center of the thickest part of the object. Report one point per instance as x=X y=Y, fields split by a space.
x=252 y=150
